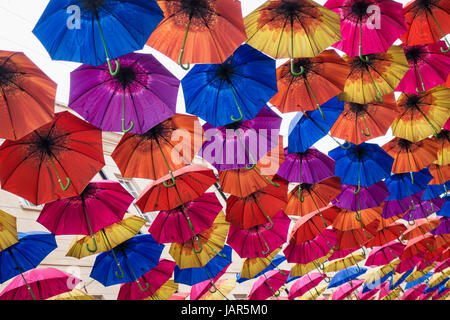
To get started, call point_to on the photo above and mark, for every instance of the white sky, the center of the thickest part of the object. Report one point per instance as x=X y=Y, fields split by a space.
x=18 y=18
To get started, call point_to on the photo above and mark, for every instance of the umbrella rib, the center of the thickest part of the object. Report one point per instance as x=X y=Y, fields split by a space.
x=213 y=39
x=108 y=105
x=9 y=112
x=281 y=36
x=120 y=22
x=92 y=88
x=13 y=170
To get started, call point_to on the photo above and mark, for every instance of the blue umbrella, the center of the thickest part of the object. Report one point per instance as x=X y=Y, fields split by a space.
x=275 y=263
x=434 y=191
x=438 y=287
x=393 y=285
x=191 y=276
x=401 y=186
x=307 y=128
x=136 y=257
x=418 y=281
x=445 y=210
x=345 y=275
x=72 y=30
x=232 y=91
x=25 y=255
x=362 y=165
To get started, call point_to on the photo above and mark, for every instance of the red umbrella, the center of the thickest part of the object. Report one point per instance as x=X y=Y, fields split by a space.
x=356 y=238
x=67 y=149
x=418 y=246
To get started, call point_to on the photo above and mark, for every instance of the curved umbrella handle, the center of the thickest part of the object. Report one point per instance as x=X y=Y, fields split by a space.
x=300 y=195
x=361 y=57
x=241 y=115
x=343 y=146
x=122 y=275
x=213 y=285
x=199 y=245
x=111 y=71
x=64 y=188
x=95 y=246
x=147 y=286
x=131 y=124
x=365 y=132
x=302 y=69
x=265 y=243
x=172 y=184
x=108 y=60
x=180 y=58
x=265 y=214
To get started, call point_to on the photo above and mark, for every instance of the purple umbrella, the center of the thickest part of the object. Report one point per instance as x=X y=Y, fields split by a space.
x=442 y=228
x=424 y=208
x=315 y=166
x=241 y=144
x=143 y=92
x=369 y=197
x=393 y=208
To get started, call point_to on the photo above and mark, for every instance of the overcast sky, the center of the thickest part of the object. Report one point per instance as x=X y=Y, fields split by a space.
x=18 y=18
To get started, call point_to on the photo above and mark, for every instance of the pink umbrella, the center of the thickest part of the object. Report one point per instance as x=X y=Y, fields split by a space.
x=259 y=241
x=179 y=296
x=346 y=289
x=304 y=284
x=441 y=266
x=311 y=250
x=268 y=284
x=368 y=197
x=44 y=282
x=447 y=123
x=414 y=292
x=99 y=205
x=199 y=289
x=429 y=67
x=384 y=290
x=369 y=295
x=407 y=264
x=383 y=255
x=156 y=277
x=437 y=296
x=173 y=225
x=368 y=26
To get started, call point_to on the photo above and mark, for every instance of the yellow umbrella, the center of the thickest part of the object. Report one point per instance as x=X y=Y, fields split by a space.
x=107 y=238
x=187 y=255
x=75 y=294
x=393 y=294
x=252 y=266
x=313 y=294
x=300 y=269
x=8 y=230
x=438 y=277
x=165 y=291
x=349 y=260
x=416 y=274
x=224 y=285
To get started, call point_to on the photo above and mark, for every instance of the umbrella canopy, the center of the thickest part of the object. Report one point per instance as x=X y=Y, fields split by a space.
x=200 y=31
x=44 y=282
x=8 y=230
x=346 y=289
x=28 y=96
x=443 y=150
x=268 y=285
x=358 y=237
x=66 y=149
x=200 y=289
x=246 y=69
x=339 y=264
x=223 y=288
x=255 y=267
x=127 y=27
x=379 y=256
x=346 y=275
x=305 y=284
x=311 y=250
x=75 y=294
x=369 y=197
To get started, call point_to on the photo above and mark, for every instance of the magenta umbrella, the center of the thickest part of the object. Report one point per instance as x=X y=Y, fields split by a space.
x=368 y=26
x=380 y=256
x=260 y=240
x=385 y=290
x=242 y=143
x=141 y=95
x=368 y=197
x=44 y=282
x=304 y=284
x=429 y=67
x=346 y=289
x=156 y=277
x=268 y=284
x=173 y=225
x=199 y=289
x=315 y=166
x=367 y=295
x=311 y=250
x=414 y=292
x=424 y=208
x=99 y=205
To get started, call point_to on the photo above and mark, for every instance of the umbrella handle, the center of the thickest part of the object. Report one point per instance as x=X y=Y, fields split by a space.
x=213 y=285
x=442 y=35
x=315 y=98
x=300 y=195
x=180 y=58
x=147 y=286
x=365 y=132
x=95 y=246
x=111 y=71
x=64 y=188
x=302 y=69
x=421 y=80
x=343 y=146
x=168 y=167
x=122 y=275
x=108 y=60
x=170 y=185
x=265 y=243
x=199 y=245
x=131 y=124
x=361 y=57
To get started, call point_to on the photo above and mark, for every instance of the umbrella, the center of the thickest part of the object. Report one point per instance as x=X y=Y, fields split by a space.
x=75 y=294
x=173 y=225
x=106 y=238
x=192 y=276
x=361 y=122
x=441 y=174
x=142 y=84
x=347 y=261
x=374 y=76
x=255 y=267
x=362 y=34
x=307 y=127
x=418 y=246
x=304 y=284
x=156 y=278
x=40 y=283
x=26 y=92
x=257 y=208
x=259 y=241
x=346 y=275
x=369 y=197
x=421 y=114
x=421 y=227
x=337 y=254
x=22 y=256
x=358 y=237
x=422 y=22
x=166 y=292
x=198 y=290
x=346 y=289
x=227 y=147
x=443 y=227
x=316 y=81
x=127 y=26
x=409 y=156
x=100 y=204
x=414 y=293
x=8 y=230
x=292 y=28
x=443 y=141
x=208 y=86
x=136 y=257
x=189 y=183
x=268 y=285
x=67 y=148
x=382 y=255
x=311 y=166
x=387 y=231
x=306 y=198
x=313 y=295
x=429 y=67
x=141 y=155
x=209 y=243
x=374 y=278
x=223 y=288
x=198 y=31
x=300 y=269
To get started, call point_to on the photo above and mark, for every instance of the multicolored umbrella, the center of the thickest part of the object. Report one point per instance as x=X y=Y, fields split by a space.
x=28 y=96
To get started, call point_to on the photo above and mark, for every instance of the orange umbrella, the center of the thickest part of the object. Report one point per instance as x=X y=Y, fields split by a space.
x=421 y=227
x=27 y=98
x=419 y=245
x=361 y=122
x=198 y=31
x=441 y=174
x=409 y=156
x=348 y=220
x=356 y=238
x=313 y=196
x=144 y=155
x=443 y=152
x=386 y=235
x=321 y=79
